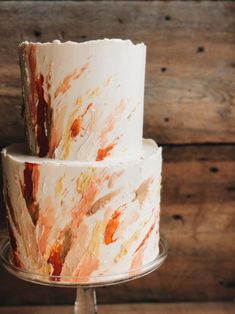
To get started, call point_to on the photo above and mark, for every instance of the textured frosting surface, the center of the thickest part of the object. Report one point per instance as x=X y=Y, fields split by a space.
x=83 y=101
x=82 y=218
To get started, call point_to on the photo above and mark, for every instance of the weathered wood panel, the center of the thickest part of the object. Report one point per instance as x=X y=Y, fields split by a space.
x=198 y=201
x=175 y=308
x=190 y=86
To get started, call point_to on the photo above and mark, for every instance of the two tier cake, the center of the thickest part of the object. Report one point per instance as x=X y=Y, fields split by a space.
x=83 y=195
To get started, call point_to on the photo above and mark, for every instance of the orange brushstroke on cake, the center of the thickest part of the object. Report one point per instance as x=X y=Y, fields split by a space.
x=145 y=238
x=45 y=223
x=110 y=121
x=85 y=204
x=10 y=209
x=40 y=108
x=137 y=260
x=88 y=264
x=75 y=127
x=66 y=84
x=104 y=152
x=55 y=260
x=127 y=222
x=90 y=261
x=109 y=125
x=43 y=120
x=76 y=250
x=103 y=201
x=111 y=228
x=127 y=244
x=59 y=251
x=15 y=256
x=142 y=192
x=77 y=123
x=139 y=252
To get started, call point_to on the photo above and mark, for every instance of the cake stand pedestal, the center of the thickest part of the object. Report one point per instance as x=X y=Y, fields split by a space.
x=85 y=299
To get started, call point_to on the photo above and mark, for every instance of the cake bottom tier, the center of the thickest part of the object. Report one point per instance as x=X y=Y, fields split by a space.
x=82 y=219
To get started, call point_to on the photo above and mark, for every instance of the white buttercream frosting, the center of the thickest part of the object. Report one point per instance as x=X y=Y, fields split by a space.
x=91 y=97
x=102 y=217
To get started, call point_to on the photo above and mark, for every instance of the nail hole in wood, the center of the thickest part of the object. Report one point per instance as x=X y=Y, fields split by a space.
x=167 y=18
x=188 y=195
x=120 y=21
x=163 y=70
x=230 y=284
x=231 y=188
x=177 y=217
x=200 y=49
x=166 y=119
x=221 y=281
x=214 y=169
x=37 y=33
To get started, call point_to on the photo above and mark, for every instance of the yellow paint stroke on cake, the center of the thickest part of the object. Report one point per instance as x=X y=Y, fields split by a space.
x=45 y=223
x=127 y=244
x=95 y=92
x=96 y=237
x=59 y=186
x=83 y=182
x=66 y=84
x=107 y=82
x=79 y=101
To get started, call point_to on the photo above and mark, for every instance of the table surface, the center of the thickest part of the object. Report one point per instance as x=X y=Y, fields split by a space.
x=169 y=308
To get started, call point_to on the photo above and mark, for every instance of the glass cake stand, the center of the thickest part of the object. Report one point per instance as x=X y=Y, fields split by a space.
x=86 y=298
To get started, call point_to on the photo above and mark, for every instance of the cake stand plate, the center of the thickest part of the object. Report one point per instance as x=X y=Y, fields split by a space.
x=86 y=299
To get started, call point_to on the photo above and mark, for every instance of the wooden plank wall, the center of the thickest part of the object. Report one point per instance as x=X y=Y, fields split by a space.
x=189 y=109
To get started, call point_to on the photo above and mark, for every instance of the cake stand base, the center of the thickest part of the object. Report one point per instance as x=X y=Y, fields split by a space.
x=86 y=298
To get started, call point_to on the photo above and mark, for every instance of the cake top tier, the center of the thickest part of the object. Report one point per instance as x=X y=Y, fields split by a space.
x=83 y=101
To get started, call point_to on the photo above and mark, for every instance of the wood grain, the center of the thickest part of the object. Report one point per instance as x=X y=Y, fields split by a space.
x=198 y=201
x=175 y=308
x=190 y=99
x=190 y=90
